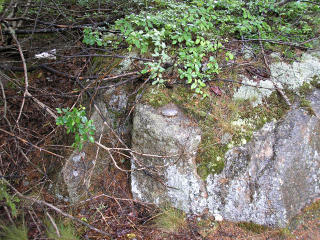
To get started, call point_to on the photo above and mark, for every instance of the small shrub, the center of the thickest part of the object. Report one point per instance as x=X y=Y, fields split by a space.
x=193 y=32
x=76 y=122
x=92 y=37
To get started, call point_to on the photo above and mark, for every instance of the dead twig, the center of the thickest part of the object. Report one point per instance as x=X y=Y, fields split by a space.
x=111 y=197
x=245 y=84
x=279 y=90
x=8 y=214
x=107 y=55
x=6 y=78
x=43 y=203
x=26 y=142
x=25 y=70
x=121 y=76
x=54 y=224
x=142 y=154
x=34 y=220
x=297 y=45
x=26 y=81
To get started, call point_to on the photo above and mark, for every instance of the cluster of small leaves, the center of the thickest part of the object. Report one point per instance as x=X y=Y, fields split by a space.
x=92 y=37
x=76 y=122
x=295 y=21
x=193 y=31
x=153 y=33
x=10 y=200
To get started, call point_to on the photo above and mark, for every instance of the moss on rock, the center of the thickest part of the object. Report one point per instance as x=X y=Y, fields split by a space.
x=224 y=122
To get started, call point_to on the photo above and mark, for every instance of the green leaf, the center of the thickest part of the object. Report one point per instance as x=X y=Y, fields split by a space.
x=91 y=139
x=84 y=119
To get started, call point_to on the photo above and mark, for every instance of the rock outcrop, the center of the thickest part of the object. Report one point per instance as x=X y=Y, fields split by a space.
x=267 y=181
x=270 y=179
x=173 y=178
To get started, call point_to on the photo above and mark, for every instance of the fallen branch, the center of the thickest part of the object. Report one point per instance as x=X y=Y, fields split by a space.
x=26 y=91
x=284 y=2
x=279 y=90
x=13 y=34
x=297 y=45
x=245 y=84
x=26 y=142
x=54 y=224
x=121 y=76
x=59 y=28
x=114 y=198
x=108 y=55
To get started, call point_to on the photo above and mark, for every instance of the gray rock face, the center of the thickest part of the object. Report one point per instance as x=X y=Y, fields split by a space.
x=267 y=181
x=166 y=132
x=273 y=177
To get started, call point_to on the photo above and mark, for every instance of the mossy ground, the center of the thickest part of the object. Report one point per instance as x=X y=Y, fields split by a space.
x=224 y=122
x=170 y=220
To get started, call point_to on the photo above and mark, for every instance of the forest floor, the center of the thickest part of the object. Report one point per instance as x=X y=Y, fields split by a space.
x=33 y=148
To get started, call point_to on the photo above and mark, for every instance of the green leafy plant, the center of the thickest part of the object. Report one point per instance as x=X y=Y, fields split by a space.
x=92 y=37
x=10 y=200
x=193 y=32
x=76 y=122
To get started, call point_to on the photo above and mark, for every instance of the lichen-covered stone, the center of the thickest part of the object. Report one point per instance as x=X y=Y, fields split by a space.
x=284 y=75
x=173 y=178
x=266 y=181
x=270 y=179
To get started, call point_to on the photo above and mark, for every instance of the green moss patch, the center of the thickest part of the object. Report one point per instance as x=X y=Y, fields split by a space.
x=253 y=227
x=224 y=122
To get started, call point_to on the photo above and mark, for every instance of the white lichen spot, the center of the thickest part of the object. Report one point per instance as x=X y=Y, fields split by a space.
x=77 y=157
x=75 y=173
x=230 y=145
x=294 y=75
x=218 y=217
x=253 y=91
x=50 y=55
x=290 y=76
x=241 y=123
x=135 y=188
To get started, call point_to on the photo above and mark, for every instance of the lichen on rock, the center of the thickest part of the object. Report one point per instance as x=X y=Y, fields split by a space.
x=286 y=76
x=266 y=181
x=176 y=139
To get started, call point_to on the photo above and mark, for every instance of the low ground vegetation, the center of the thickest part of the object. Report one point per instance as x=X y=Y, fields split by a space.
x=188 y=52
